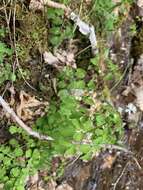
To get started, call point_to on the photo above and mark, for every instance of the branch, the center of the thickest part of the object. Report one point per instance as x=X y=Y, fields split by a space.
x=21 y=123
x=116 y=147
x=34 y=4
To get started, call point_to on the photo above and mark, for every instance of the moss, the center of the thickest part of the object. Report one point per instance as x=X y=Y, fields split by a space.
x=32 y=33
x=137 y=44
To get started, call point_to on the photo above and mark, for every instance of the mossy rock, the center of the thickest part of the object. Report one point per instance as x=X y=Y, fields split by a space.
x=32 y=33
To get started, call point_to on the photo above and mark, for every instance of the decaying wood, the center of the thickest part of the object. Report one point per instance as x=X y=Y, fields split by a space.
x=15 y=118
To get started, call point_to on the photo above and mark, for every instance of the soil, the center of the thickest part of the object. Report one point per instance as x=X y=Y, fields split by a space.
x=114 y=168
x=111 y=169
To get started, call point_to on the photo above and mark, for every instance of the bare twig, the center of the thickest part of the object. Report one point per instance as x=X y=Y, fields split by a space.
x=116 y=147
x=13 y=115
x=40 y=5
x=137 y=163
x=54 y=4
x=73 y=161
x=117 y=181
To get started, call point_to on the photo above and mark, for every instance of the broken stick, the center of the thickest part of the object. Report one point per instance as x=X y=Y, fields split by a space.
x=39 y=5
x=15 y=118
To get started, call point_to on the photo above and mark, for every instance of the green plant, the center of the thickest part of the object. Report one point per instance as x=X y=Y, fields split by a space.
x=112 y=71
x=103 y=12
x=74 y=130
x=6 y=73
x=4 y=51
x=79 y=122
x=20 y=158
x=60 y=28
x=5 y=59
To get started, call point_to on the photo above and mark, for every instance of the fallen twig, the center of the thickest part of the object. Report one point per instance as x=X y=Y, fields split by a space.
x=116 y=147
x=137 y=163
x=41 y=3
x=117 y=181
x=13 y=115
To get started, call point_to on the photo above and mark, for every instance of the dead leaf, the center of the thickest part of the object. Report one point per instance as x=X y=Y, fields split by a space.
x=27 y=103
x=64 y=187
x=88 y=2
x=50 y=58
x=108 y=161
x=60 y=58
x=1 y=186
x=39 y=5
x=52 y=185
x=36 y=5
x=126 y=91
x=33 y=181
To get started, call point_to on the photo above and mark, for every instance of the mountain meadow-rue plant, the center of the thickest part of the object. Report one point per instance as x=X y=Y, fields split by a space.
x=6 y=53
x=19 y=158
x=106 y=16
x=79 y=123
x=70 y=121
x=60 y=29
x=74 y=130
x=104 y=66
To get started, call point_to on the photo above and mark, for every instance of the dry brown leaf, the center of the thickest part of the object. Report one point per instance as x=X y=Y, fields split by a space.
x=33 y=181
x=27 y=102
x=108 y=161
x=126 y=91
x=50 y=58
x=34 y=4
x=117 y=9
x=1 y=186
x=64 y=187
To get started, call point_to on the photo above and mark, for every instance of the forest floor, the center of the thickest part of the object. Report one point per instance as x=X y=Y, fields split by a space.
x=78 y=86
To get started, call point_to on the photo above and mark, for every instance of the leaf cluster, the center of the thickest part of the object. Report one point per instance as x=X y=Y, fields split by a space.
x=5 y=61
x=70 y=124
x=60 y=28
x=19 y=158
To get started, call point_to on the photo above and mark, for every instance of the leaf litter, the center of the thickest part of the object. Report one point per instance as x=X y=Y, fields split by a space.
x=25 y=107
x=92 y=174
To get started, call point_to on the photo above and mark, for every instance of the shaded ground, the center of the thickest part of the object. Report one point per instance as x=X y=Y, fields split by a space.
x=114 y=168
x=111 y=169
